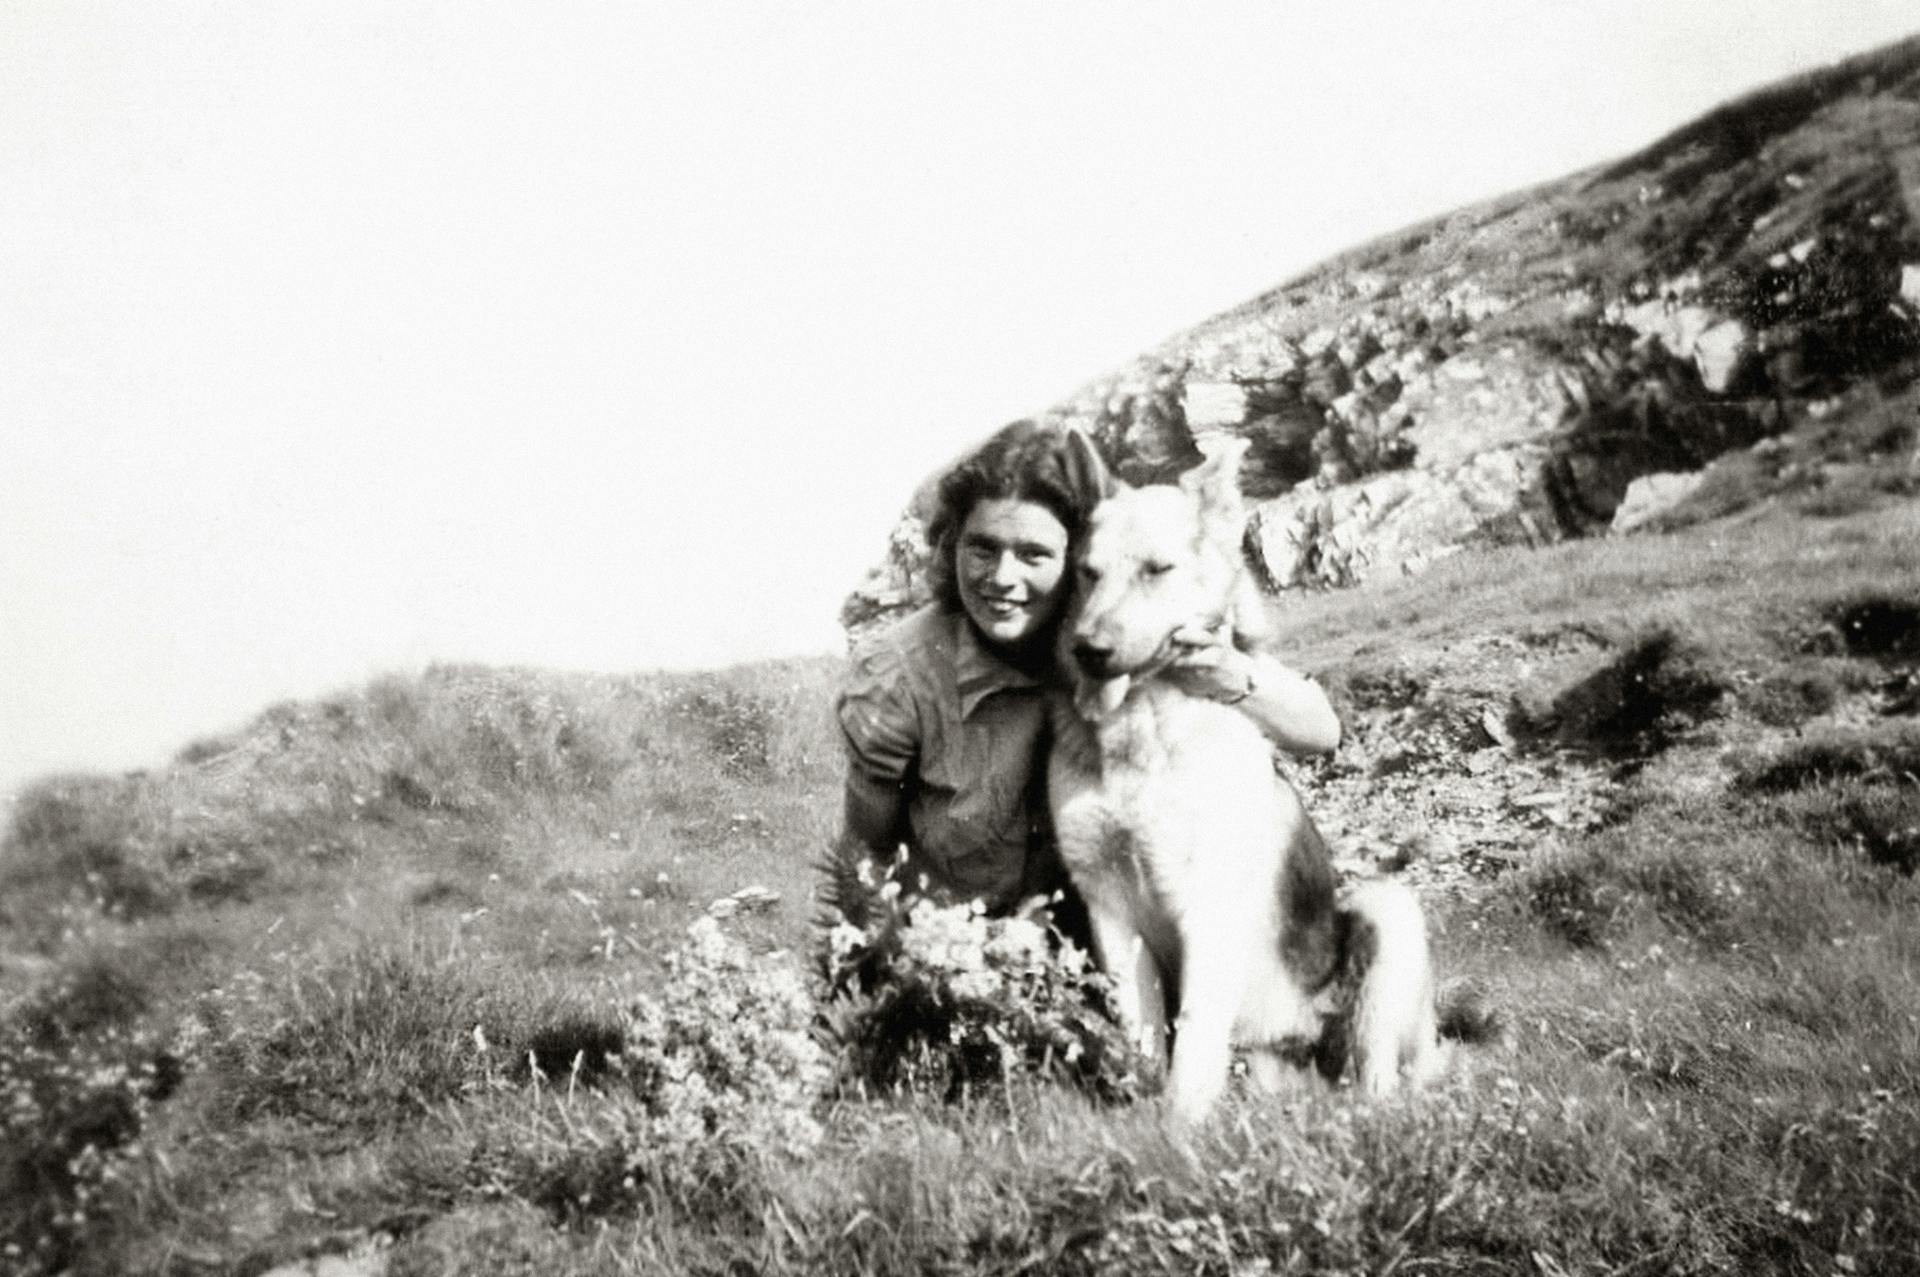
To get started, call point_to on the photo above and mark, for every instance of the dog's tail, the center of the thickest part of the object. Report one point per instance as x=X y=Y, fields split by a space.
x=1391 y=1032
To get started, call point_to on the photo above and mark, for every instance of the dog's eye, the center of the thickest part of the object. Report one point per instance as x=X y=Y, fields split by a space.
x=1155 y=569
x=1089 y=574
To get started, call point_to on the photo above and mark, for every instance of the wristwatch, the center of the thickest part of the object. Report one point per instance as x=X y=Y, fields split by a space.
x=1243 y=693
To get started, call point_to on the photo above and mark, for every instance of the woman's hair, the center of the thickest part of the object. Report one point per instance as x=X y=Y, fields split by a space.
x=1023 y=461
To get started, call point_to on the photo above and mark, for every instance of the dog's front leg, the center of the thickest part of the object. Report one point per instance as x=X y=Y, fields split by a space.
x=1213 y=980
x=1139 y=992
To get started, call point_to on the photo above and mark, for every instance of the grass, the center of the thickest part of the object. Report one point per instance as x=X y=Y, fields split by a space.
x=372 y=975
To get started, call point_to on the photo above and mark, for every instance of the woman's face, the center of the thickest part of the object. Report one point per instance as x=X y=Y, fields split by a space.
x=1010 y=562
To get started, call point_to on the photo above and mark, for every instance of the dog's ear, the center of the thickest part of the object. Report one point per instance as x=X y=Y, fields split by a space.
x=1086 y=471
x=1215 y=482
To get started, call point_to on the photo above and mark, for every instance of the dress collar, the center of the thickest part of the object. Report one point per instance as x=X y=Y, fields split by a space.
x=978 y=671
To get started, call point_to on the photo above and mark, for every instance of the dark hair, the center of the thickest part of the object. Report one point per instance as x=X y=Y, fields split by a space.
x=1023 y=461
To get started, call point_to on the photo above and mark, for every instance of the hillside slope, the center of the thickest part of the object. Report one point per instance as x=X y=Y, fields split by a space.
x=1514 y=373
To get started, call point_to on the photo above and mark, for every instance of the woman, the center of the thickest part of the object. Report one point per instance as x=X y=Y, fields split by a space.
x=945 y=714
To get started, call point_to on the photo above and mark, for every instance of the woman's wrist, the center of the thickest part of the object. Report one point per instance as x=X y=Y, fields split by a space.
x=1247 y=688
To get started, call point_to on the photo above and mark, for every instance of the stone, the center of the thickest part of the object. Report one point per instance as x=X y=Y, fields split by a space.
x=1717 y=346
x=1318 y=342
x=1721 y=353
x=1492 y=399
x=1392 y=524
x=1214 y=405
x=1676 y=327
x=1652 y=495
x=894 y=586
x=1910 y=285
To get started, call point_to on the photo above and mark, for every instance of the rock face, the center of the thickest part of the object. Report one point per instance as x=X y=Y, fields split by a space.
x=1521 y=371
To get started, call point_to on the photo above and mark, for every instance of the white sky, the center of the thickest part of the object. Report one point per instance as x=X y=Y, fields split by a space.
x=338 y=337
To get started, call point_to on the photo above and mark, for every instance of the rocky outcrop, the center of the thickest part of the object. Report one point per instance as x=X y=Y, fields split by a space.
x=1545 y=365
x=1719 y=348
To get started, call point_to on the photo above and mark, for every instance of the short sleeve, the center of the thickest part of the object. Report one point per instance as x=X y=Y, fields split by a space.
x=878 y=716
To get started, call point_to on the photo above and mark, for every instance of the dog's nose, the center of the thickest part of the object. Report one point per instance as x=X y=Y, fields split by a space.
x=1095 y=661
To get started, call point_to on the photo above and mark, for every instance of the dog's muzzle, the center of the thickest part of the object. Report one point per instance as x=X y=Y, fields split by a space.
x=1093 y=661
x=1098 y=661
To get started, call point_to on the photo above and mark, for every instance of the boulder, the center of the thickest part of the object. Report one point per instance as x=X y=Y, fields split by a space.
x=895 y=585
x=1675 y=326
x=1652 y=495
x=1214 y=405
x=1391 y=524
x=1718 y=347
x=1721 y=353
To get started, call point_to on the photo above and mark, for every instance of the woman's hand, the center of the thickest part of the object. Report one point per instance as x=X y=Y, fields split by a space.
x=1209 y=665
x=1288 y=707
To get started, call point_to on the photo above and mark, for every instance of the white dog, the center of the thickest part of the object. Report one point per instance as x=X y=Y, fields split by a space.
x=1208 y=887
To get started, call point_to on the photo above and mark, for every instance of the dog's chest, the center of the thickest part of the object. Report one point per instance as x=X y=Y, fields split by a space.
x=1145 y=791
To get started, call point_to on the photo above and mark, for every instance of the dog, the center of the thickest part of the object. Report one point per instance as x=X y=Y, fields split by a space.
x=1211 y=896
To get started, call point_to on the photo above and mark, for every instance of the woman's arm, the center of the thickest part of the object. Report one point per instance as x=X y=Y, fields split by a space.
x=1287 y=706
x=871 y=819
x=880 y=728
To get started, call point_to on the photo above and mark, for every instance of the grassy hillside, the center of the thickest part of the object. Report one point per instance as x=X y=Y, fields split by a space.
x=257 y=974
x=347 y=981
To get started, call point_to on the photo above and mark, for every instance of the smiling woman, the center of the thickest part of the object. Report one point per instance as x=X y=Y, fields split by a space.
x=1011 y=573
x=945 y=714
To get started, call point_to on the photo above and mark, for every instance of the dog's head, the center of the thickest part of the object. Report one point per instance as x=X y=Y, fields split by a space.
x=1153 y=560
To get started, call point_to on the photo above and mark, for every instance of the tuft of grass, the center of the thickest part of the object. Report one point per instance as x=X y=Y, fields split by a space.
x=1787 y=698
x=1888 y=755
x=578 y=1046
x=1876 y=821
x=369 y=1043
x=1656 y=688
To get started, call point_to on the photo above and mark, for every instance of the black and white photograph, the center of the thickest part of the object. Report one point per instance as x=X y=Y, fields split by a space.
x=1227 y=638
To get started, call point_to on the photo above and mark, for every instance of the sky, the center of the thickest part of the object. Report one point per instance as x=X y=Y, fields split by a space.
x=338 y=338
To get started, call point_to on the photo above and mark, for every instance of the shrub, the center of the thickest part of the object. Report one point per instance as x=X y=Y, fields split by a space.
x=1641 y=701
x=84 y=839
x=718 y=1076
x=944 y=998
x=1878 y=625
x=71 y=1113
